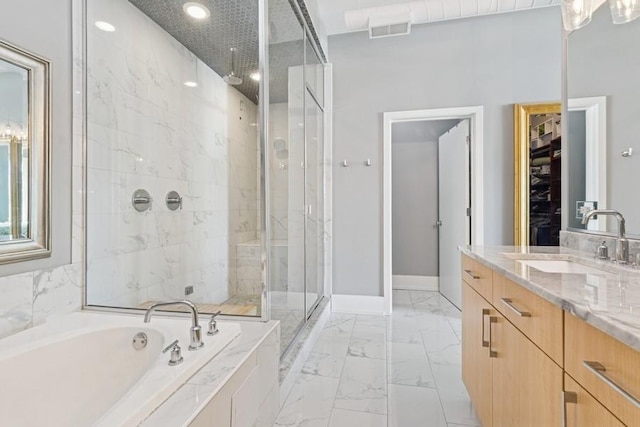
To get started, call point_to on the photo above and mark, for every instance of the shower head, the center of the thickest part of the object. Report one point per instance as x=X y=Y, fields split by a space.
x=231 y=78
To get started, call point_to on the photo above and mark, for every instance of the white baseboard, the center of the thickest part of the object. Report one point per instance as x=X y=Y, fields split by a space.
x=416 y=283
x=358 y=304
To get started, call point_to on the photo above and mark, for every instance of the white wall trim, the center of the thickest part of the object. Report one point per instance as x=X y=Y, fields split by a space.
x=358 y=304
x=416 y=283
x=595 y=109
x=476 y=116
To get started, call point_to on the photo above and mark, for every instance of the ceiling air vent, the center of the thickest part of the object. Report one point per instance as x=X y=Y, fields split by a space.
x=398 y=24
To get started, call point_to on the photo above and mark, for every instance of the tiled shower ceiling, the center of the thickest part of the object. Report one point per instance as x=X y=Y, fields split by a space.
x=234 y=23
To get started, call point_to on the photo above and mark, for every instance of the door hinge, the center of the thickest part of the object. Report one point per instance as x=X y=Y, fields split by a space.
x=467 y=139
x=468 y=211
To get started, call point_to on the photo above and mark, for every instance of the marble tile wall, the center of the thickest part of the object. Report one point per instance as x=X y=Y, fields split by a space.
x=146 y=129
x=588 y=242
x=29 y=299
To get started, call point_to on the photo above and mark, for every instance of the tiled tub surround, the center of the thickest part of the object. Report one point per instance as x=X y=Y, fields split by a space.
x=92 y=349
x=146 y=129
x=241 y=382
x=610 y=301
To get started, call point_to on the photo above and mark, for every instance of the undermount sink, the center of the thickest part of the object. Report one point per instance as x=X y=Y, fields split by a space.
x=560 y=266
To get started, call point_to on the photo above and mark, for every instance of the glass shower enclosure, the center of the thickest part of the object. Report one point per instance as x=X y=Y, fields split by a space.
x=204 y=159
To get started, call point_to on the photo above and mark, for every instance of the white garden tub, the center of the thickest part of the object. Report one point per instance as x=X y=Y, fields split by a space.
x=82 y=369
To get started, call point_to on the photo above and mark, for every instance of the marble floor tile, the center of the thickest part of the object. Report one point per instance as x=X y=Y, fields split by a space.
x=340 y=325
x=402 y=370
x=368 y=341
x=344 y=418
x=404 y=328
x=449 y=354
x=414 y=406
x=401 y=298
x=428 y=298
x=309 y=403
x=363 y=386
x=457 y=404
x=408 y=365
x=367 y=321
x=331 y=342
x=324 y=365
x=456 y=325
x=439 y=341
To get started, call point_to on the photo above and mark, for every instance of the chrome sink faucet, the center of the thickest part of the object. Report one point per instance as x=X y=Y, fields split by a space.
x=195 y=331
x=622 y=244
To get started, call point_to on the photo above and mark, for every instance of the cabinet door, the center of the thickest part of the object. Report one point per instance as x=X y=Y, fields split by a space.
x=582 y=410
x=526 y=380
x=476 y=364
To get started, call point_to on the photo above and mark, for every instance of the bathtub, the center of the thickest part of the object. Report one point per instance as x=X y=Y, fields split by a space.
x=82 y=369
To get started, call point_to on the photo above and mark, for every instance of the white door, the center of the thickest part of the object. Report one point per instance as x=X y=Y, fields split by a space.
x=455 y=224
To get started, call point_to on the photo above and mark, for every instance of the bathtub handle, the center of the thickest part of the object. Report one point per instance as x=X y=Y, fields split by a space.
x=176 y=353
x=213 y=324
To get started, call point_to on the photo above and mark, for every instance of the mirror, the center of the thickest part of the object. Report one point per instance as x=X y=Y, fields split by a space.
x=602 y=67
x=24 y=155
x=538 y=170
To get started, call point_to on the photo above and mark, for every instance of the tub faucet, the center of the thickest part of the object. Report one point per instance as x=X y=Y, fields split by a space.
x=622 y=244
x=195 y=331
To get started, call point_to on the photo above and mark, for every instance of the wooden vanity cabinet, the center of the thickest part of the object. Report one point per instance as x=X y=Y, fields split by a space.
x=476 y=363
x=510 y=380
x=604 y=367
x=526 y=362
x=526 y=382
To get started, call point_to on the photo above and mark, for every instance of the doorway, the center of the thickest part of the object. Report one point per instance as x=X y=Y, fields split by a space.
x=432 y=197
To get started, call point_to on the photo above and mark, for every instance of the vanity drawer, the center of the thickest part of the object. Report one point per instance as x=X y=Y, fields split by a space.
x=478 y=276
x=535 y=317
x=581 y=409
x=605 y=367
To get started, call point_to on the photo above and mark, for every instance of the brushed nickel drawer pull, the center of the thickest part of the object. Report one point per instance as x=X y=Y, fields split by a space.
x=509 y=303
x=598 y=369
x=473 y=276
x=485 y=312
x=492 y=320
x=567 y=397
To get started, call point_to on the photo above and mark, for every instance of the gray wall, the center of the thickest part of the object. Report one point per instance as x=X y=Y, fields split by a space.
x=603 y=61
x=576 y=141
x=494 y=61
x=415 y=208
x=48 y=34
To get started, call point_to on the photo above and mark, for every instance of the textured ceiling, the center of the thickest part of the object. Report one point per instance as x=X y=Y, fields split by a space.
x=234 y=23
x=332 y=11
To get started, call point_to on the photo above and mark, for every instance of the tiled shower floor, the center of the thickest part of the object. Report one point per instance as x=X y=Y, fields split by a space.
x=402 y=370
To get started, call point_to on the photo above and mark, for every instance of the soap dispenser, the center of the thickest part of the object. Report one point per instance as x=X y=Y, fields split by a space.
x=602 y=252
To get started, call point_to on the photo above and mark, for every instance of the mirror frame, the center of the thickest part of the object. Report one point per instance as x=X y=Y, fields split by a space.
x=38 y=244
x=521 y=149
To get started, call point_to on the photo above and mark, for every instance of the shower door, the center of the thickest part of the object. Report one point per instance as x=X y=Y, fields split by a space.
x=314 y=248
x=314 y=177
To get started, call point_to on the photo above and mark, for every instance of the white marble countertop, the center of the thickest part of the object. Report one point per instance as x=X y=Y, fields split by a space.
x=182 y=407
x=610 y=300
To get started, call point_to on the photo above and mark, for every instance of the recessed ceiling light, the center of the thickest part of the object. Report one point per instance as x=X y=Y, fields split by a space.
x=196 y=10
x=191 y=84
x=255 y=76
x=105 y=26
